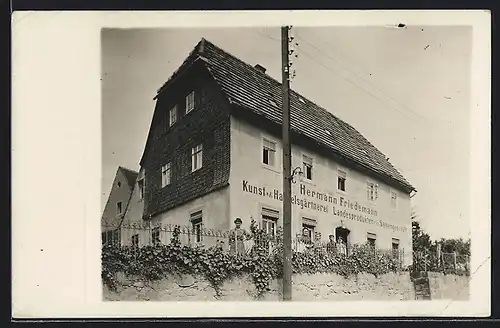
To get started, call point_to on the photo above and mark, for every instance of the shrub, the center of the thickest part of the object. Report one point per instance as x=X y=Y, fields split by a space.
x=156 y=262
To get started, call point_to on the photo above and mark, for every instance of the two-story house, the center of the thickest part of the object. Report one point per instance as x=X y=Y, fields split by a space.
x=213 y=153
x=117 y=205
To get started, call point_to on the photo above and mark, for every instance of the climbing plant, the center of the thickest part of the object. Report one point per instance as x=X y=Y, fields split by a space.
x=263 y=263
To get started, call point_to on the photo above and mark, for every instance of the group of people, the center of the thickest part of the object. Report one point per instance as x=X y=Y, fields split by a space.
x=338 y=246
x=240 y=241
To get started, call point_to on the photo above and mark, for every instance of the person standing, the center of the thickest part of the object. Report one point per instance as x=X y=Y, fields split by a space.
x=330 y=246
x=237 y=236
x=341 y=246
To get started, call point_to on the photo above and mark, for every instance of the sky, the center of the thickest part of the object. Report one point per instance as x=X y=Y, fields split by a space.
x=407 y=90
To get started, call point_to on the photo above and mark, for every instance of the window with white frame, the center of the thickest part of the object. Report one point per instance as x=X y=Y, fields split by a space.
x=308 y=166
x=372 y=191
x=371 y=238
x=190 y=102
x=140 y=186
x=155 y=236
x=166 y=174
x=308 y=230
x=270 y=221
x=196 y=157
x=268 y=152
x=341 y=179
x=394 y=199
x=135 y=240
x=197 y=224
x=172 y=115
x=119 y=208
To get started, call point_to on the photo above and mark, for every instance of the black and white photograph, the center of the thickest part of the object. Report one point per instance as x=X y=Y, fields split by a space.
x=286 y=163
x=194 y=152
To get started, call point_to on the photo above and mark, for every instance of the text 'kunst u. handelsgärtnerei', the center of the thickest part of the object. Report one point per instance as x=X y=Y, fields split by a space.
x=338 y=206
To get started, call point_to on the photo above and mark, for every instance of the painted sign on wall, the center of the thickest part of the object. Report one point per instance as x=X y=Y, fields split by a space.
x=324 y=202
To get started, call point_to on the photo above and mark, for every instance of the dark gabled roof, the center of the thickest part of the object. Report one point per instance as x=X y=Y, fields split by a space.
x=246 y=86
x=130 y=176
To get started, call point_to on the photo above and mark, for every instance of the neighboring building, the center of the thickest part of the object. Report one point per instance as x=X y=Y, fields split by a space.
x=117 y=205
x=214 y=153
x=133 y=229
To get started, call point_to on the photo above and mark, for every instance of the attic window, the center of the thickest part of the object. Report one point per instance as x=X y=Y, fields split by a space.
x=302 y=100
x=327 y=132
x=119 y=184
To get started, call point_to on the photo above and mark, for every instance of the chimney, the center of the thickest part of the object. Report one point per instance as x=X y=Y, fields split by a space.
x=260 y=68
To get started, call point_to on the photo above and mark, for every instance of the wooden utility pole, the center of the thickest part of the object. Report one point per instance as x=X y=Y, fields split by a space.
x=287 y=164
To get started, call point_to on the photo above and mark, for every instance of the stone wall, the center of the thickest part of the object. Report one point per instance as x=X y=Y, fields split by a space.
x=449 y=286
x=305 y=288
x=327 y=287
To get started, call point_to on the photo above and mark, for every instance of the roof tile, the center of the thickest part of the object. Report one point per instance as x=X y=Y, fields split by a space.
x=250 y=88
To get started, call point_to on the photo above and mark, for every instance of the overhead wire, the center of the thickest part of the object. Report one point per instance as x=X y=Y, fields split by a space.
x=395 y=109
x=346 y=79
x=362 y=78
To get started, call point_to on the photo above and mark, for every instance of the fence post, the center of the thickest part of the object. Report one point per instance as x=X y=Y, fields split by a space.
x=455 y=262
x=149 y=231
x=438 y=254
x=401 y=259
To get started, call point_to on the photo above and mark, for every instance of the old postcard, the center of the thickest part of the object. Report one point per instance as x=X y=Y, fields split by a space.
x=273 y=158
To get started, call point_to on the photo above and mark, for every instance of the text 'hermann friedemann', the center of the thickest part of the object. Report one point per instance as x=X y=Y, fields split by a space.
x=360 y=215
